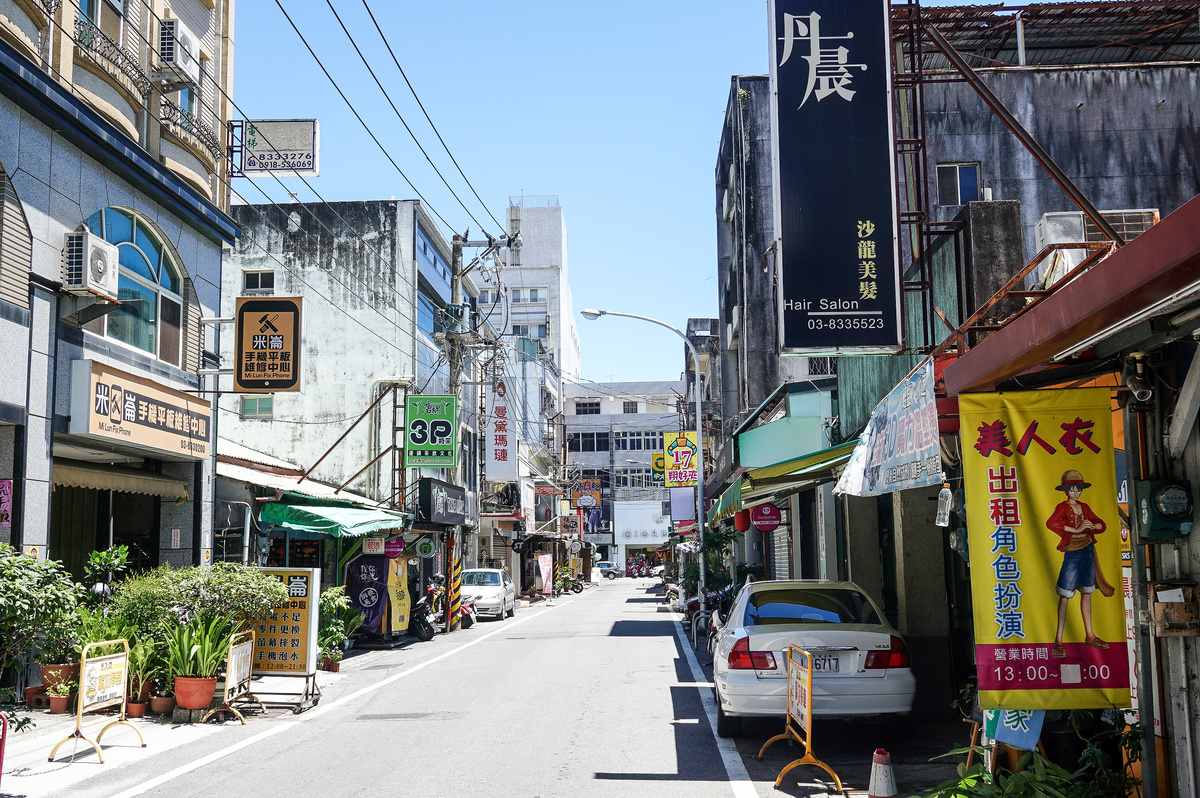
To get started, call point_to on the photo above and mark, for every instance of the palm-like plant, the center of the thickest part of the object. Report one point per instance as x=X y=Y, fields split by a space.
x=197 y=648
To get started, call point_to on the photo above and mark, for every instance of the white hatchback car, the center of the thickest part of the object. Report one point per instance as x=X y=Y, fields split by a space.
x=493 y=589
x=861 y=666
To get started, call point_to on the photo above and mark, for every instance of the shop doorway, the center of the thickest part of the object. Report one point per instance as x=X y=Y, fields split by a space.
x=83 y=520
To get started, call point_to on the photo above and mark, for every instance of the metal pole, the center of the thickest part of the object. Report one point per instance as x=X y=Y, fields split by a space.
x=701 y=519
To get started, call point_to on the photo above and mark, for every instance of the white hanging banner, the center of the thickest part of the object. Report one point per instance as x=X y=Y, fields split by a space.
x=500 y=436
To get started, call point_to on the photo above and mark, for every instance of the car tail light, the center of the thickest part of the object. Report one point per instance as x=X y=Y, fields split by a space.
x=894 y=657
x=742 y=658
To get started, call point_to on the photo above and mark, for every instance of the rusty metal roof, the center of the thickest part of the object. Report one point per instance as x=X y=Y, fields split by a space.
x=1058 y=34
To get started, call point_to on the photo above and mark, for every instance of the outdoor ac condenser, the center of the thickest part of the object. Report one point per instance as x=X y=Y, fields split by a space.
x=178 y=53
x=90 y=265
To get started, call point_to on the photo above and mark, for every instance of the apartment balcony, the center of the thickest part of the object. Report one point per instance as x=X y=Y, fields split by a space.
x=197 y=135
x=101 y=50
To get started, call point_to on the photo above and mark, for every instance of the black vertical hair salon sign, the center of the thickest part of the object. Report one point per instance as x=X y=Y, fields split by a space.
x=835 y=183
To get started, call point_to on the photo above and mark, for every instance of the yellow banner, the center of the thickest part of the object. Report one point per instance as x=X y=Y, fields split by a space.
x=1044 y=540
x=680 y=454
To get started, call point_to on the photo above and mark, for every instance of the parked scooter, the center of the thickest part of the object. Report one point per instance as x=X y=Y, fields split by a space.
x=426 y=613
x=467 y=614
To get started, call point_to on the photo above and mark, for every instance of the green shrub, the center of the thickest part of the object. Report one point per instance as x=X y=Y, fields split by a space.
x=197 y=648
x=338 y=620
x=38 y=603
x=167 y=596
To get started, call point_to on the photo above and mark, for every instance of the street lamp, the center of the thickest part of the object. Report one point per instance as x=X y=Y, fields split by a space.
x=592 y=314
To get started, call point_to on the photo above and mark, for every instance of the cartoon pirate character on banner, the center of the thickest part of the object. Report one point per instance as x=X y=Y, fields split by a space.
x=1077 y=525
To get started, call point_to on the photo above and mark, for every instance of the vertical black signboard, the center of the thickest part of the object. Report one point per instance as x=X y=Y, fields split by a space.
x=835 y=184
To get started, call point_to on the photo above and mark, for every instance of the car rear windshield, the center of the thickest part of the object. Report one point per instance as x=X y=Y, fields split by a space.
x=808 y=605
x=478 y=578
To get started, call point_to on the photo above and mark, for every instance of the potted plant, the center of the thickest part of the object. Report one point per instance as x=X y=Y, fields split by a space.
x=142 y=666
x=58 y=649
x=195 y=651
x=36 y=597
x=331 y=658
x=162 y=702
x=60 y=695
x=100 y=569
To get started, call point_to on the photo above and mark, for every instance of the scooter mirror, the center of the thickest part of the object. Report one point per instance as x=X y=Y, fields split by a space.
x=414 y=561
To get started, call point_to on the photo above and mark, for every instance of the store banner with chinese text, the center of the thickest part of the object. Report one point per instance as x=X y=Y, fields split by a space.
x=1044 y=540
x=680 y=452
x=500 y=436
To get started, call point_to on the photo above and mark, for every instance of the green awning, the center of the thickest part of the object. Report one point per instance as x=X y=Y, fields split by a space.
x=333 y=520
x=807 y=463
x=729 y=503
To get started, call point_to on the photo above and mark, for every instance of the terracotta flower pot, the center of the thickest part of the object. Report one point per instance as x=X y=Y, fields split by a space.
x=143 y=693
x=333 y=666
x=55 y=674
x=58 y=704
x=194 y=692
x=162 y=704
x=135 y=709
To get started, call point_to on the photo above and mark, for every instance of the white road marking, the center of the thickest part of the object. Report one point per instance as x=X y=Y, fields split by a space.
x=318 y=711
x=739 y=779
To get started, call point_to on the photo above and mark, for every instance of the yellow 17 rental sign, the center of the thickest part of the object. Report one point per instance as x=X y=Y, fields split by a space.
x=1044 y=540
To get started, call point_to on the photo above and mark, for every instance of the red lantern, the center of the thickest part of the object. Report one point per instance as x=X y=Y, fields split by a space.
x=741 y=520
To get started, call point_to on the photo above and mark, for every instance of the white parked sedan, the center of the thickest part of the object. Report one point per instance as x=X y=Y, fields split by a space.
x=861 y=666
x=493 y=589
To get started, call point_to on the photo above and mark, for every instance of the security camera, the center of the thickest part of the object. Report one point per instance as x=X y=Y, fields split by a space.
x=1135 y=380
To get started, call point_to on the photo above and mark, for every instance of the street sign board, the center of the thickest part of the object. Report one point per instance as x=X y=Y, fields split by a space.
x=500 y=436
x=289 y=147
x=430 y=439
x=269 y=344
x=681 y=460
x=837 y=251
x=286 y=641
x=586 y=493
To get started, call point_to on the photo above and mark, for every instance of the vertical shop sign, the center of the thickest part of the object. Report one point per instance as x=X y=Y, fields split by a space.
x=430 y=435
x=1044 y=540
x=835 y=185
x=366 y=587
x=680 y=454
x=500 y=436
x=269 y=342
x=286 y=641
x=546 y=567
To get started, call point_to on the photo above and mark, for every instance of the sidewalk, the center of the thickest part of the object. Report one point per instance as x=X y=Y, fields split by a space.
x=27 y=773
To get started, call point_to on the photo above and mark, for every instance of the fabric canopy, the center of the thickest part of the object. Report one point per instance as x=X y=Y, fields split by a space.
x=772 y=483
x=807 y=462
x=335 y=521
x=729 y=503
x=115 y=478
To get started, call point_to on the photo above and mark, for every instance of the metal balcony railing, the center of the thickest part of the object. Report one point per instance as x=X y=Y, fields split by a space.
x=50 y=7
x=106 y=53
x=186 y=123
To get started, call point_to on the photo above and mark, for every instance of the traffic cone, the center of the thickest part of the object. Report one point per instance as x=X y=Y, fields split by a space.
x=883 y=781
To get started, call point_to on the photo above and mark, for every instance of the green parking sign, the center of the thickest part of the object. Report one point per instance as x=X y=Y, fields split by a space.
x=430 y=435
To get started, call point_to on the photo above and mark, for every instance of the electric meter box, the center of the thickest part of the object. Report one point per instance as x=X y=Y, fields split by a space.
x=1164 y=508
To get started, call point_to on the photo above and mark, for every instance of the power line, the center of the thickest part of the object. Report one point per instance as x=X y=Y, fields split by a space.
x=399 y=116
x=422 y=106
x=358 y=116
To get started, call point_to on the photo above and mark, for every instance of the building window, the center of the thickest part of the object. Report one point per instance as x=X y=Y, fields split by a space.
x=536 y=295
x=258 y=406
x=958 y=183
x=515 y=294
x=631 y=407
x=483 y=298
x=105 y=15
x=638 y=441
x=634 y=478
x=588 y=408
x=429 y=317
x=258 y=282
x=603 y=475
x=149 y=287
x=587 y=442
x=529 y=330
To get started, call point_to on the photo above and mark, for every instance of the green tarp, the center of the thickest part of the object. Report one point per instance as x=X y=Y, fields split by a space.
x=338 y=522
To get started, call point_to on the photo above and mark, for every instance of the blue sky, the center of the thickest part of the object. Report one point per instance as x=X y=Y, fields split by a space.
x=614 y=106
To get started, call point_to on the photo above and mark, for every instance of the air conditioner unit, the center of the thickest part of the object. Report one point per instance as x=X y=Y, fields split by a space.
x=90 y=265
x=1073 y=227
x=178 y=54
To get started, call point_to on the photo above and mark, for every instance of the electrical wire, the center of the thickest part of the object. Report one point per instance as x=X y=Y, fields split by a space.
x=388 y=45
x=399 y=116
x=357 y=116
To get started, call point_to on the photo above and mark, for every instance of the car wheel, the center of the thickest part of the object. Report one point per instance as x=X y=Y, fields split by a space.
x=727 y=726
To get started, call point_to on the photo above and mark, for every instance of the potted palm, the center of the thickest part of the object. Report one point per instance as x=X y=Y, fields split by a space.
x=60 y=696
x=195 y=651
x=142 y=655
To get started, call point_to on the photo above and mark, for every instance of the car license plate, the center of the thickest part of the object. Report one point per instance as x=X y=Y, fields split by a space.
x=825 y=664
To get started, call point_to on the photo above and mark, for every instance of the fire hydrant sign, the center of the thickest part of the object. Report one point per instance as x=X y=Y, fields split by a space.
x=269 y=333
x=1044 y=544
x=286 y=641
x=681 y=459
x=430 y=439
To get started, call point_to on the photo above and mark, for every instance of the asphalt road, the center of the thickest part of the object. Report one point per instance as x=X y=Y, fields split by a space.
x=597 y=695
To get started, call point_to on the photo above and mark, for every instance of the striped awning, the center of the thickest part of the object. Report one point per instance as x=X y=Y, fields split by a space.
x=116 y=478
